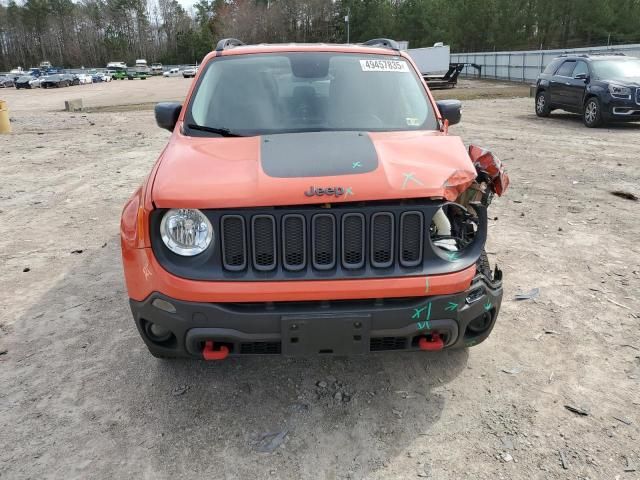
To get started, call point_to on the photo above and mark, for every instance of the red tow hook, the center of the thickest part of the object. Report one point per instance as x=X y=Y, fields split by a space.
x=210 y=354
x=432 y=345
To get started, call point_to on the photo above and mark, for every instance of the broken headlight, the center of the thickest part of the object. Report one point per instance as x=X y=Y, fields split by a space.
x=453 y=228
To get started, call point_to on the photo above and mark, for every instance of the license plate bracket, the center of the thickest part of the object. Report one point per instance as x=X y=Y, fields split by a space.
x=325 y=334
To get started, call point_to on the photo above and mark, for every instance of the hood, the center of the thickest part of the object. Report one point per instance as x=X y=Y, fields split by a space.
x=625 y=81
x=310 y=168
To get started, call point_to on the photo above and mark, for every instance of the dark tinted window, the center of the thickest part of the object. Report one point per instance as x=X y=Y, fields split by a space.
x=551 y=68
x=581 y=67
x=567 y=68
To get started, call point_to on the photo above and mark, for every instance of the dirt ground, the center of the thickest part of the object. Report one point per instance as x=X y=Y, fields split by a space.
x=80 y=397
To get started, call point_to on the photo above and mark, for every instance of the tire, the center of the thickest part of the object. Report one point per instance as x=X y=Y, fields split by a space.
x=542 y=104
x=592 y=115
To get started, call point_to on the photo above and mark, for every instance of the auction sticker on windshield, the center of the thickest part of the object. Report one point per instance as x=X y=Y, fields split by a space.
x=384 y=66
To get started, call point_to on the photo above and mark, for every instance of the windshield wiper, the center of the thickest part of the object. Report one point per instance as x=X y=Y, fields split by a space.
x=224 y=132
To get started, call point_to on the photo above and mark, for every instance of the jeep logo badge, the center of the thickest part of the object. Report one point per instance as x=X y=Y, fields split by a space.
x=319 y=191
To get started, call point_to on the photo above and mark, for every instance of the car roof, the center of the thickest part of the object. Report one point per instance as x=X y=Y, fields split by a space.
x=304 y=47
x=595 y=57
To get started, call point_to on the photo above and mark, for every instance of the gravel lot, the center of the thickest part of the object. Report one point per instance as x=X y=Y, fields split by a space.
x=80 y=397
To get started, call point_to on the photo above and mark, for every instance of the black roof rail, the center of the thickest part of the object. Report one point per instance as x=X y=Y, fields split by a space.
x=228 y=43
x=383 y=42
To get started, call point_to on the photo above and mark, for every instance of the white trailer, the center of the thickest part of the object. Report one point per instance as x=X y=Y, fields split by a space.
x=432 y=60
x=435 y=65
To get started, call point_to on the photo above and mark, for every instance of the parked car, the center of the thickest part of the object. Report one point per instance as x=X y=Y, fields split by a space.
x=6 y=81
x=56 y=80
x=174 y=72
x=189 y=72
x=28 y=81
x=133 y=73
x=101 y=77
x=118 y=73
x=289 y=214
x=156 y=69
x=142 y=67
x=83 y=78
x=601 y=88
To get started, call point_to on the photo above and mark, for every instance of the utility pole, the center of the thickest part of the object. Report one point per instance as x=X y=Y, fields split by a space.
x=346 y=19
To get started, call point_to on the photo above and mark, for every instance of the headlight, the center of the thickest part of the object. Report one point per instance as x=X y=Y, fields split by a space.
x=619 y=91
x=452 y=229
x=186 y=232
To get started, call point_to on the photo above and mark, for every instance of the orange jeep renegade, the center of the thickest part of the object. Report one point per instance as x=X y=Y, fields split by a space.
x=311 y=201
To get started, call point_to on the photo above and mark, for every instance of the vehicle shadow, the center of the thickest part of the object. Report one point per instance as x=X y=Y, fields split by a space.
x=84 y=396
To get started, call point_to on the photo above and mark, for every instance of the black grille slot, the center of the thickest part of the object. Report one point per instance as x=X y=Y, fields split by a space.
x=233 y=238
x=638 y=96
x=411 y=235
x=260 y=348
x=353 y=240
x=294 y=242
x=382 y=234
x=323 y=239
x=264 y=242
x=387 y=343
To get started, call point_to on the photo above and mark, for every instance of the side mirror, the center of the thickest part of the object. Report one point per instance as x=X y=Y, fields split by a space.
x=450 y=110
x=167 y=114
x=581 y=76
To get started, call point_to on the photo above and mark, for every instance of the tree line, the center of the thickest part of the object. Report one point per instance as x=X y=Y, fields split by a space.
x=94 y=32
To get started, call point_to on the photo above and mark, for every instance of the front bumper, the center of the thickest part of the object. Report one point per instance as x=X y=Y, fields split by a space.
x=342 y=327
x=622 y=110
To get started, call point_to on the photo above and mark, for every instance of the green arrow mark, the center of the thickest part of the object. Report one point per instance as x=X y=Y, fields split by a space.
x=451 y=307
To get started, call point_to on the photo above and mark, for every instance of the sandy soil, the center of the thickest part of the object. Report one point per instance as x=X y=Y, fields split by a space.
x=80 y=397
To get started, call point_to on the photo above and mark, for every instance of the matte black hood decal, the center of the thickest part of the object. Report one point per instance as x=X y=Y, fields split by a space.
x=317 y=154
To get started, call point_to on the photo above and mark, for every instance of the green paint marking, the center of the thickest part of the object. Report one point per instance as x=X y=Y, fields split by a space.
x=348 y=192
x=470 y=343
x=451 y=307
x=356 y=165
x=410 y=176
x=417 y=312
x=487 y=306
x=453 y=256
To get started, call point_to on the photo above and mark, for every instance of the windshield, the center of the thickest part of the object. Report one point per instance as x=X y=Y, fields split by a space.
x=279 y=93
x=617 y=69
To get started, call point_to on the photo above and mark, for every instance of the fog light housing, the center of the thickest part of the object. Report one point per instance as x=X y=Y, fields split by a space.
x=157 y=333
x=480 y=324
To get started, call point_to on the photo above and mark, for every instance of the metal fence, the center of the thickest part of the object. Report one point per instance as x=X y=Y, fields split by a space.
x=524 y=66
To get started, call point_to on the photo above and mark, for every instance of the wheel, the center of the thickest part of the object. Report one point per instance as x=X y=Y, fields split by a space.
x=542 y=104
x=592 y=116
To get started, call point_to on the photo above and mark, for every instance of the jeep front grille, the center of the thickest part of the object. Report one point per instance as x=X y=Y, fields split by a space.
x=321 y=241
